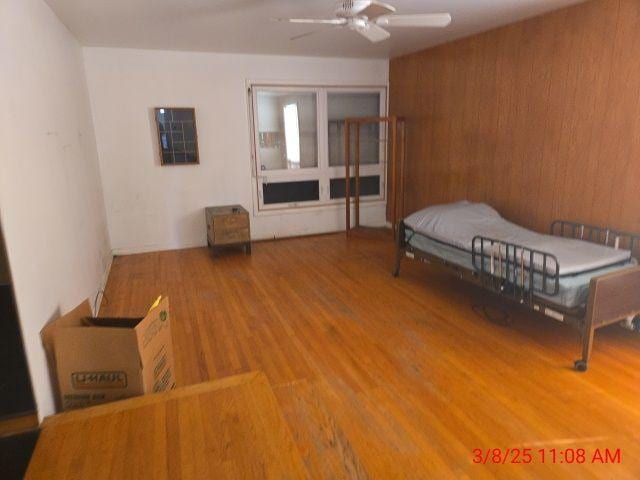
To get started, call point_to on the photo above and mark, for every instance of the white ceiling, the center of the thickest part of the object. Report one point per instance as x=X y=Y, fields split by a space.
x=245 y=26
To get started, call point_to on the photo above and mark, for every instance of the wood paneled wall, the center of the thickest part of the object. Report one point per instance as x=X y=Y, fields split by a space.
x=540 y=119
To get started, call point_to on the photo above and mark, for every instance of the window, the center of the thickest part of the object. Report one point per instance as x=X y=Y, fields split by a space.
x=299 y=144
x=287 y=127
x=341 y=105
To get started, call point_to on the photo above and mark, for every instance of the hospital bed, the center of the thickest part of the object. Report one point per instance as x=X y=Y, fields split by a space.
x=582 y=275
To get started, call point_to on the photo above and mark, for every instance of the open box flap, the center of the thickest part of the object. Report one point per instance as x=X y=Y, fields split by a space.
x=155 y=347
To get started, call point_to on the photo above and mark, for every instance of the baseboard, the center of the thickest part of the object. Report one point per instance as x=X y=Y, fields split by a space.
x=18 y=424
x=157 y=248
x=255 y=239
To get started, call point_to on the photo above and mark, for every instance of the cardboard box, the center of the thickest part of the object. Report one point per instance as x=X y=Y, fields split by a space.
x=97 y=360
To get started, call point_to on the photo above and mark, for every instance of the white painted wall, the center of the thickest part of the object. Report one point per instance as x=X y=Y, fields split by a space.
x=51 y=203
x=150 y=207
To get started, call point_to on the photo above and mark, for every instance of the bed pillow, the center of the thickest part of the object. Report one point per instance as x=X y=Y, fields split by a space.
x=444 y=221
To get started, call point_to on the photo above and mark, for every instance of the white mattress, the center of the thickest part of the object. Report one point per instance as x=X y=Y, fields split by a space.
x=573 y=290
x=456 y=224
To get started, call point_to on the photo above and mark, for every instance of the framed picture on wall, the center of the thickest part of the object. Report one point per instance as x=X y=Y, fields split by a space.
x=177 y=135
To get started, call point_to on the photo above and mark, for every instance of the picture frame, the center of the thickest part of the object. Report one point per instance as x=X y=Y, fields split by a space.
x=177 y=135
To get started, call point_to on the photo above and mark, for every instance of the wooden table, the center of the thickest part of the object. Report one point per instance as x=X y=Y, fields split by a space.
x=229 y=428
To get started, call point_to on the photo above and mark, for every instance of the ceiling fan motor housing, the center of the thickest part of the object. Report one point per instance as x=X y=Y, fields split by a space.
x=351 y=8
x=344 y=8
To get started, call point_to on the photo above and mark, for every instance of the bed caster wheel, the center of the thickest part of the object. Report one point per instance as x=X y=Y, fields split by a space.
x=580 y=365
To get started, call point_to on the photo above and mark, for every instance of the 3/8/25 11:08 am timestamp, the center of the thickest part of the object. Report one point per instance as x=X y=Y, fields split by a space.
x=525 y=456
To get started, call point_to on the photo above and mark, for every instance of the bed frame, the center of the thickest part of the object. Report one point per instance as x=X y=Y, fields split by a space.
x=523 y=275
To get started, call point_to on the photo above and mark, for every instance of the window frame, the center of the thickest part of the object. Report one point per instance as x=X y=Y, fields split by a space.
x=323 y=172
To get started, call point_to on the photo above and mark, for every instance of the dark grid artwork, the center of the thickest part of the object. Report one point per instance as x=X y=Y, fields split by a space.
x=177 y=135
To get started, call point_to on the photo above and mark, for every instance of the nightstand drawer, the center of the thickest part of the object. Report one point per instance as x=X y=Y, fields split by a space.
x=231 y=222
x=229 y=236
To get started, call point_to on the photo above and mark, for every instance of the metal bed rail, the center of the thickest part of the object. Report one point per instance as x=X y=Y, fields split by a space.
x=515 y=270
x=609 y=237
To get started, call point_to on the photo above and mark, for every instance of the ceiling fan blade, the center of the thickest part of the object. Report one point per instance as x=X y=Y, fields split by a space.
x=420 y=20
x=324 y=21
x=376 y=9
x=373 y=33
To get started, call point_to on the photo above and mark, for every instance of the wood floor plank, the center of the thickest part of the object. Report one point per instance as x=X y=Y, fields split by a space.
x=231 y=428
x=379 y=377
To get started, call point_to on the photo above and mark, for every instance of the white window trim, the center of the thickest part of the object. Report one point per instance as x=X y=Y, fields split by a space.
x=323 y=173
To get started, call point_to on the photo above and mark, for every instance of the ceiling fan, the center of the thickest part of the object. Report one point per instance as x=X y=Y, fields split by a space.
x=367 y=17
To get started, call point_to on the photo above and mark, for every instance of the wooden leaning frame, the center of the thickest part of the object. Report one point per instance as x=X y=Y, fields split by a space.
x=613 y=297
x=397 y=138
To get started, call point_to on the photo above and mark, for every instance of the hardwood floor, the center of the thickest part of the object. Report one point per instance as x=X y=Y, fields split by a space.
x=380 y=377
x=198 y=431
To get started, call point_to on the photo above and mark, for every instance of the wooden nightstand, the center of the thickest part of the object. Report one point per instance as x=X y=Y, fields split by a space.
x=228 y=225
